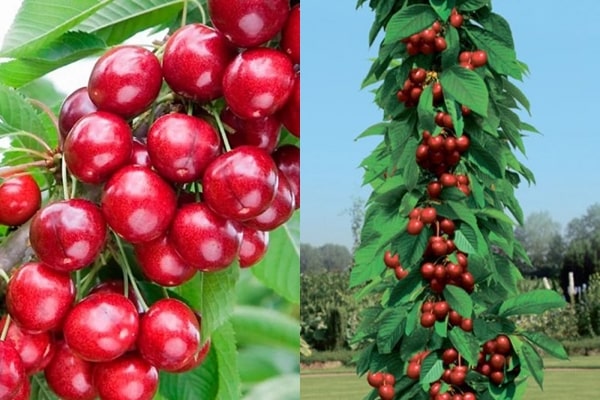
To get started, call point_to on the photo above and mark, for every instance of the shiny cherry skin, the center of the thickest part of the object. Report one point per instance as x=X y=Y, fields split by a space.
x=204 y=239
x=181 y=146
x=194 y=62
x=129 y=377
x=290 y=35
x=249 y=23
x=13 y=373
x=254 y=246
x=75 y=106
x=101 y=327
x=35 y=349
x=259 y=132
x=161 y=264
x=97 y=146
x=69 y=376
x=138 y=204
x=241 y=183
x=117 y=286
x=258 y=82
x=68 y=235
x=287 y=159
x=280 y=210
x=20 y=198
x=139 y=155
x=169 y=335
x=198 y=359
x=50 y=295
x=290 y=113
x=24 y=392
x=125 y=80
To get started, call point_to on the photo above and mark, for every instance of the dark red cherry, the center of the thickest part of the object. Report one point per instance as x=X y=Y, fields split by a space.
x=258 y=82
x=203 y=239
x=138 y=204
x=287 y=159
x=241 y=183
x=75 y=106
x=194 y=62
x=259 y=132
x=248 y=23
x=20 y=198
x=129 y=377
x=68 y=235
x=69 y=376
x=290 y=35
x=280 y=210
x=290 y=113
x=50 y=295
x=125 y=80
x=35 y=349
x=181 y=146
x=197 y=360
x=24 y=392
x=12 y=374
x=97 y=146
x=254 y=246
x=139 y=155
x=160 y=263
x=101 y=327
x=169 y=335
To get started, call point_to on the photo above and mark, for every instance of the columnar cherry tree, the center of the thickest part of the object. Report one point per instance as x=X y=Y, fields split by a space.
x=437 y=243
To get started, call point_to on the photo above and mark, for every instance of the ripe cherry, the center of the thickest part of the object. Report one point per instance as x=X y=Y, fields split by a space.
x=290 y=35
x=253 y=247
x=375 y=379
x=279 y=211
x=194 y=62
x=75 y=106
x=454 y=318
x=428 y=215
x=386 y=392
x=469 y=396
x=434 y=189
x=489 y=347
x=503 y=345
x=391 y=261
x=427 y=320
x=497 y=362
x=440 y=310
x=260 y=132
x=450 y=356
x=290 y=113
x=160 y=263
x=418 y=75
x=35 y=349
x=497 y=377
x=466 y=324
x=20 y=198
x=457 y=377
x=198 y=359
x=287 y=159
x=462 y=143
x=448 y=226
x=454 y=271
x=129 y=377
x=479 y=58
x=427 y=307
x=125 y=80
x=456 y=20
x=400 y=273
x=448 y=180
x=69 y=376
x=139 y=155
x=13 y=373
x=414 y=227
x=428 y=271
x=413 y=371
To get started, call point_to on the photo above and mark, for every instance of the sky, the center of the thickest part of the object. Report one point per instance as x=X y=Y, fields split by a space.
x=557 y=43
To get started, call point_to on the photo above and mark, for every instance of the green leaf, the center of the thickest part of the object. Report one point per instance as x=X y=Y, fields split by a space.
x=443 y=8
x=16 y=114
x=40 y=22
x=515 y=92
x=532 y=302
x=263 y=326
x=548 y=344
x=534 y=363
x=472 y=5
x=466 y=344
x=425 y=110
x=390 y=329
x=466 y=87
x=459 y=300
x=40 y=389
x=409 y=20
x=124 y=18
x=284 y=387
x=280 y=269
x=501 y=56
x=431 y=369
x=211 y=293
x=378 y=129
x=463 y=244
x=229 y=380
x=450 y=55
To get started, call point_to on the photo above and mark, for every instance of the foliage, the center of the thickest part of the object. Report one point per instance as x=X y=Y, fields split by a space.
x=484 y=214
x=345 y=356
x=328 y=257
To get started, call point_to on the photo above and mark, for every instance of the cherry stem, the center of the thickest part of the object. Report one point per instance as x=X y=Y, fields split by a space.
x=4 y=276
x=73 y=186
x=217 y=117
x=184 y=12
x=10 y=171
x=85 y=283
x=5 y=328
x=34 y=137
x=46 y=111
x=129 y=274
x=202 y=12
x=63 y=171
x=36 y=153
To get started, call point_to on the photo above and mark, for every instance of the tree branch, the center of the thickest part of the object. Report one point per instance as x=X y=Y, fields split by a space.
x=15 y=249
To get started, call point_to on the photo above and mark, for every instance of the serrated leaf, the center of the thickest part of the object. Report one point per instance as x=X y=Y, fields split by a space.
x=534 y=363
x=472 y=5
x=548 y=344
x=39 y=22
x=466 y=87
x=466 y=344
x=280 y=269
x=459 y=300
x=409 y=20
x=443 y=8
x=40 y=389
x=414 y=342
x=501 y=57
x=425 y=110
x=532 y=302
x=390 y=329
x=463 y=244
x=374 y=130
x=515 y=92
x=284 y=387
x=431 y=369
x=262 y=326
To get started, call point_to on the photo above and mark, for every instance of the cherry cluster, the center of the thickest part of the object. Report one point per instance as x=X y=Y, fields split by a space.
x=413 y=86
x=393 y=262
x=440 y=153
x=432 y=311
x=191 y=176
x=426 y=42
x=494 y=358
x=472 y=60
x=384 y=383
x=413 y=369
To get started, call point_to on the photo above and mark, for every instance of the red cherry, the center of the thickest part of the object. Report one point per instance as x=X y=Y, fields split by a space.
x=20 y=198
x=160 y=263
x=503 y=345
x=440 y=44
x=427 y=307
x=375 y=379
x=182 y=158
x=465 y=57
x=169 y=335
x=194 y=62
x=49 y=297
x=428 y=215
x=454 y=271
x=454 y=318
x=400 y=273
x=116 y=286
x=68 y=235
x=414 y=227
x=258 y=82
x=428 y=271
x=391 y=261
x=279 y=211
x=198 y=359
x=468 y=281
x=97 y=146
x=389 y=379
x=413 y=371
x=240 y=184
x=428 y=35
x=290 y=113
x=35 y=349
x=448 y=226
x=75 y=106
x=440 y=310
x=139 y=155
x=456 y=20
x=125 y=80
x=469 y=396
x=69 y=376
x=13 y=373
x=287 y=159
x=127 y=378
x=489 y=347
x=427 y=320
x=101 y=327
x=479 y=58
x=438 y=94
x=438 y=247
x=290 y=35
x=497 y=377
x=138 y=204
x=254 y=246
x=249 y=23
x=497 y=362
x=462 y=143
x=386 y=392
x=434 y=190
x=434 y=389
x=437 y=285
x=203 y=239
x=448 y=180
x=418 y=75
x=260 y=132
x=450 y=356
x=457 y=377
x=466 y=324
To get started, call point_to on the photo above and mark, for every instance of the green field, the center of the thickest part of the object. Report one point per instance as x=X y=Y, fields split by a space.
x=576 y=379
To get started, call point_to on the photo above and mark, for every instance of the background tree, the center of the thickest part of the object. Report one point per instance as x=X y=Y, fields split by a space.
x=541 y=239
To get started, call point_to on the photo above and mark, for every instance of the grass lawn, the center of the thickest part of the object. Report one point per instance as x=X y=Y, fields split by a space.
x=560 y=382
